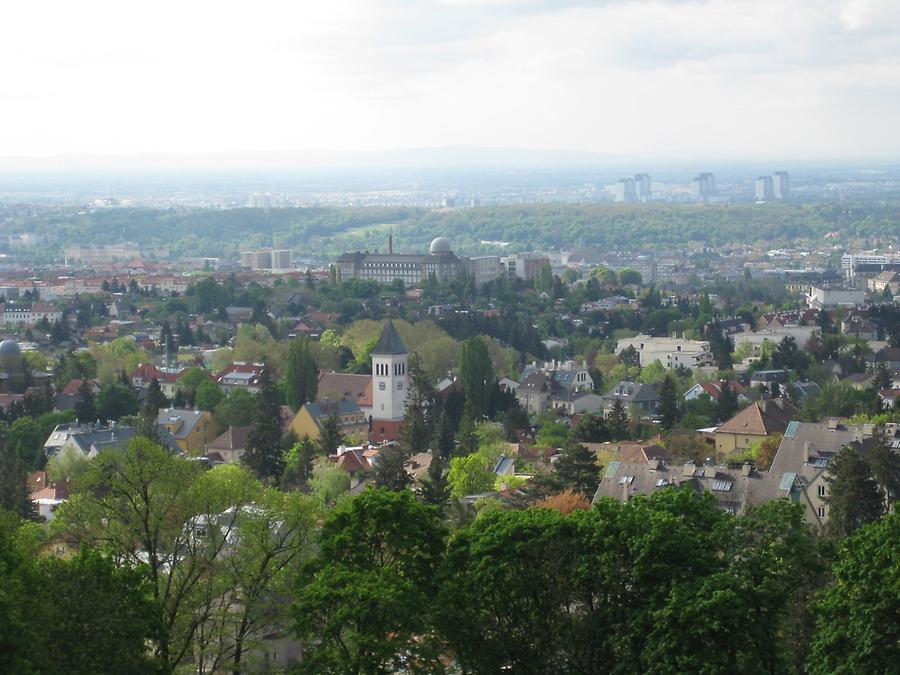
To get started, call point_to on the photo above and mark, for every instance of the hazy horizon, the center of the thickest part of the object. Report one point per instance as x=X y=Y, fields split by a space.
x=665 y=80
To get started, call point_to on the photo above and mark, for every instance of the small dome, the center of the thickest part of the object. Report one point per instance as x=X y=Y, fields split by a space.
x=440 y=245
x=10 y=348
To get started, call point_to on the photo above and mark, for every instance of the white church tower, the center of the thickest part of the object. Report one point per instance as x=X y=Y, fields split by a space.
x=389 y=375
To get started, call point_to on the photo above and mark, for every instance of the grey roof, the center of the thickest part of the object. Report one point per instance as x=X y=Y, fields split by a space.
x=734 y=488
x=505 y=466
x=806 y=442
x=190 y=420
x=632 y=391
x=389 y=342
x=344 y=406
x=10 y=347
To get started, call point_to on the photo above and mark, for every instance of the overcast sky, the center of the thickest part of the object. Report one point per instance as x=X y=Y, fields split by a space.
x=750 y=79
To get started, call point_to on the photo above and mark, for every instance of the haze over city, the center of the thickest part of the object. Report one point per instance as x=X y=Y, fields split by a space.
x=734 y=80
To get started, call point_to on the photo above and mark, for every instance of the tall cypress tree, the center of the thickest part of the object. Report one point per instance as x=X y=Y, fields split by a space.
x=476 y=372
x=418 y=428
x=853 y=496
x=264 y=453
x=668 y=403
x=728 y=401
x=85 y=406
x=301 y=375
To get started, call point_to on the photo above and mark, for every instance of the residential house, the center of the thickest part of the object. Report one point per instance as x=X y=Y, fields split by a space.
x=714 y=391
x=889 y=280
x=229 y=447
x=336 y=386
x=860 y=327
x=535 y=391
x=802 y=459
x=240 y=375
x=754 y=423
x=167 y=378
x=641 y=400
x=887 y=357
x=578 y=402
x=68 y=397
x=311 y=418
x=47 y=495
x=193 y=430
x=671 y=352
x=734 y=488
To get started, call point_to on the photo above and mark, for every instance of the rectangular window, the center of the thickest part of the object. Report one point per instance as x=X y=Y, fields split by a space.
x=381 y=386
x=821 y=490
x=821 y=512
x=400 y=385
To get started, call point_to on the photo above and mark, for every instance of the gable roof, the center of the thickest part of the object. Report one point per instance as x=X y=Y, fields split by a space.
x=760 y=418
x=233 y=439
x=180 y=422
x=346 y=385
x=73 y=387
x=323 y=409
x=389 y=341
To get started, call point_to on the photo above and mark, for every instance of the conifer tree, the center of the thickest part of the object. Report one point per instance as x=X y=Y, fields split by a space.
x=853 y=495
x=618 y=419
x=264 y=448
x=728 y=401
x=331 y=437
x=85 y=406
x=301 y=375
x=668 y=403
x=417 y=430
x=577 y=468
x=435 y=487
x=390 y=471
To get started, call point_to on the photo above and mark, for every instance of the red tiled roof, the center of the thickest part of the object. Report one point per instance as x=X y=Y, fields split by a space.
x=345 y=385
x=760 y=418
x=71 y=389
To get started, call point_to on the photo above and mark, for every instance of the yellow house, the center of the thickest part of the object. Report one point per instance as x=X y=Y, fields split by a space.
x=752 y=424
x=192 y=429
x=310 y=419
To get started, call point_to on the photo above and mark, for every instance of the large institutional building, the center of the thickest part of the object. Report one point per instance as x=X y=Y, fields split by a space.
x=414 y=269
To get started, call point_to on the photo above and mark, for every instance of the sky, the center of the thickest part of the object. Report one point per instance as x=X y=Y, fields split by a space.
x=737 y=79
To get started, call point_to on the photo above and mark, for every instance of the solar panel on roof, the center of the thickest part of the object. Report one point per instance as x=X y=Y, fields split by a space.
x=722 y=485
x=612 y=469
x=791 y=430
x=787 y=481
x=820 y=462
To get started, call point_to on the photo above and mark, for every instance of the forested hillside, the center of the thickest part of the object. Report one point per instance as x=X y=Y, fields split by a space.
x=328 y=231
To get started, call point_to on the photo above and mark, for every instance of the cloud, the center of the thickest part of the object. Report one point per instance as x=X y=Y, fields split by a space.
x=676 y=78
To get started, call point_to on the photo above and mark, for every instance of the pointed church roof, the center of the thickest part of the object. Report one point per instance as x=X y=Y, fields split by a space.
x=389 y=342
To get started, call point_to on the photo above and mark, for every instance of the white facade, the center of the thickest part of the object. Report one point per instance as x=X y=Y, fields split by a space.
x=819 y=297
x=669 y=351
x=389 y=386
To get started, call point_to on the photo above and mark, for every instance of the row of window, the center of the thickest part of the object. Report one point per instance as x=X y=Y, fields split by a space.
x=382 y=369
x=383 y=386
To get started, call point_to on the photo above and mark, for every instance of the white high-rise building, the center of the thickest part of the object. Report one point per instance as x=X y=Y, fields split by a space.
x=703 y=186
x=763 y=191
x=625 y=190
x=780 y=187
x=642 y=186
x=389 y=375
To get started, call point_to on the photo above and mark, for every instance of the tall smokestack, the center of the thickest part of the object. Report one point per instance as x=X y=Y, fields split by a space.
x=390 y=244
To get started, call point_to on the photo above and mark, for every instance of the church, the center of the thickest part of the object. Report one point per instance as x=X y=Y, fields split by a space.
x=390 y=381
x=379 y=398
